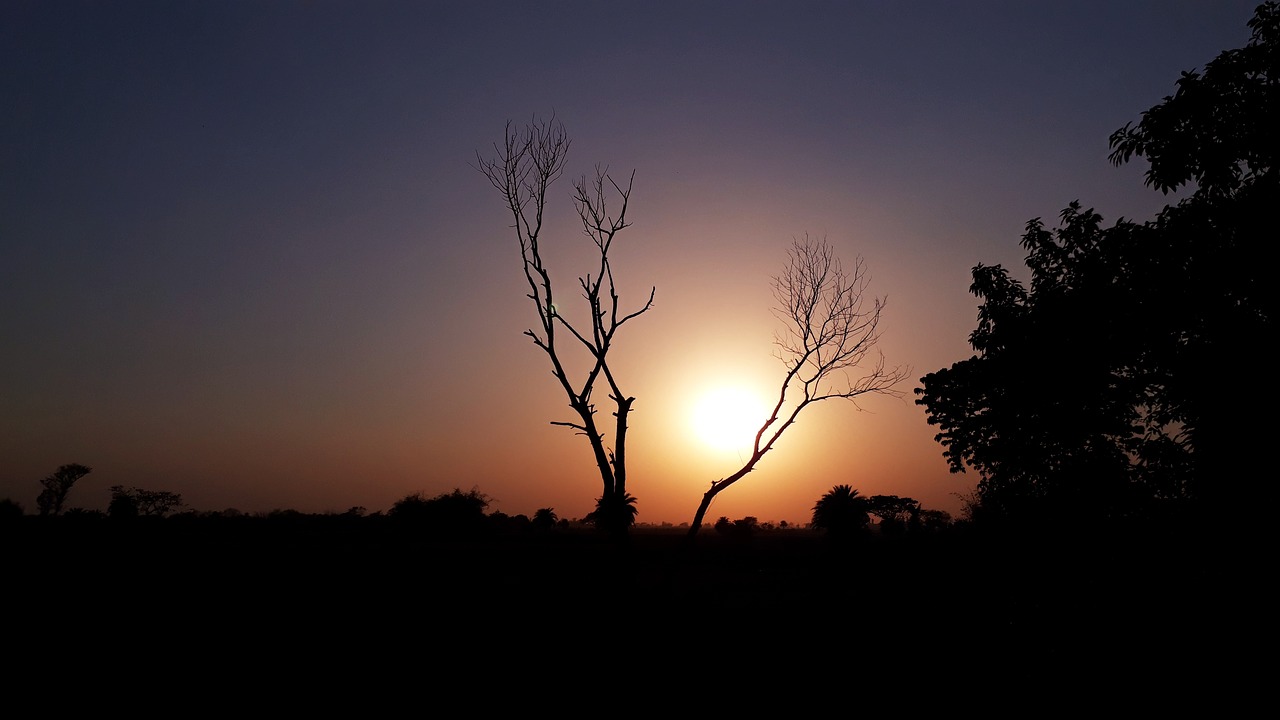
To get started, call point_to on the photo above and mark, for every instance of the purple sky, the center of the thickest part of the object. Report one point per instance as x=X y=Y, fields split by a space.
x=243 y=256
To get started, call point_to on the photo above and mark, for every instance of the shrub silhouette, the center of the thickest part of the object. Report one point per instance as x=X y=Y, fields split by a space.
x=134 y=502
x=451 y=513
x=741 y=529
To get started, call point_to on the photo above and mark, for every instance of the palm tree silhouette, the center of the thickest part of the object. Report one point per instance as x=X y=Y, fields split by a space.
x=545 y=519
x=841 y=511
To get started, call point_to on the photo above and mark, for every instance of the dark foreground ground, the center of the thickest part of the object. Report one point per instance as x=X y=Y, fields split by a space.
x=776 y=614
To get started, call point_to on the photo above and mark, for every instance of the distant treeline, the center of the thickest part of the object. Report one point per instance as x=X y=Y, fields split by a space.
x=460 y=513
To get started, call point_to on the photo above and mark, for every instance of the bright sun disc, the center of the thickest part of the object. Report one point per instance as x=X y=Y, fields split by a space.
x=727 y=418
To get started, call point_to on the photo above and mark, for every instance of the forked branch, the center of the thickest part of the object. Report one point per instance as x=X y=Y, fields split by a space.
x=522 y=169
x=830 y=326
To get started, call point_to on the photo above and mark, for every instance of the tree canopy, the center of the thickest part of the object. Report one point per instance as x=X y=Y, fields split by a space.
x=55 y=486
x=1109 y=387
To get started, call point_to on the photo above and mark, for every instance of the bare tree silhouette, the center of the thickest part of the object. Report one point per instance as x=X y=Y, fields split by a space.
x=525 y=166
x=831 y=328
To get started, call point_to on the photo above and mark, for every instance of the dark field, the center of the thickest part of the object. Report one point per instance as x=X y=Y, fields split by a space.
x=333 y=592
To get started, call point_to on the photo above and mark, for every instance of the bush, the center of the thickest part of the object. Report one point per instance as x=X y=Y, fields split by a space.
x=450 y=513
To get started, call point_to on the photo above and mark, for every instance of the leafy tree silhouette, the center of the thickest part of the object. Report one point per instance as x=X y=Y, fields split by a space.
x=614 y=513
x=544 y=519
x=1125 y=417
x=135 y=502
x=56 y=486
x=841 y=512
x=934 y=520
x=740 y=529
x=896 y=513
x=452 y=513
x=122 y=505
x=1216 y=133
x=525 y=166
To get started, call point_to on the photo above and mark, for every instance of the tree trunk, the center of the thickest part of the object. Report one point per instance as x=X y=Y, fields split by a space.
x=715 y=489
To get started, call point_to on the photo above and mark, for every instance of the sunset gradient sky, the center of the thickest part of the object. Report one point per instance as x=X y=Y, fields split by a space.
x=244 y=256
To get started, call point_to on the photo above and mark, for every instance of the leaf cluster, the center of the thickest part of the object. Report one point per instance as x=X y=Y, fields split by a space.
x=1098 y=389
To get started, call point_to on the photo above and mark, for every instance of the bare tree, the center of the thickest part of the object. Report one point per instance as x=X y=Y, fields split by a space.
x=831 y=329
x=523 y=169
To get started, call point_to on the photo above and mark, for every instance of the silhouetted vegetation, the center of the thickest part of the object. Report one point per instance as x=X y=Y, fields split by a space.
x=440 y=574
x=1094 y=410
x=453 y=513
x=135 y=502
x=743 y=528
x=56 y=486
x=544 y=519
x=830 y=328
x=1096 y=395
x=841 y=512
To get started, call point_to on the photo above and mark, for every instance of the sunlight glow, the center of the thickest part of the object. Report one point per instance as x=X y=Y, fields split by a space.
x=727 y=418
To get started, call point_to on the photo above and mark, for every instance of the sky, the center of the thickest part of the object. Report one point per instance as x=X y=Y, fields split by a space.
x=245 y=255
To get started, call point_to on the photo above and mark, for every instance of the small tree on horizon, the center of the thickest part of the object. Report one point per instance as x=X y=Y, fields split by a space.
x=894 y=510
x=134 y=502
x=841 y=511
x=56 y=486
x=544 y=519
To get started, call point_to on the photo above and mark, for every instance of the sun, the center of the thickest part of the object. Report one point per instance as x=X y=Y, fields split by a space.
x=727 y=418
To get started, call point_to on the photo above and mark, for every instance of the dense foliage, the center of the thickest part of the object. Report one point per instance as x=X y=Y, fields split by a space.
x=1122 y=382
x=53 y=495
